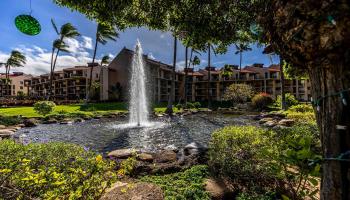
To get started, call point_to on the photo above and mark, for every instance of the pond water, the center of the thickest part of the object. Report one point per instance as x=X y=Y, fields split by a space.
x=104 y=135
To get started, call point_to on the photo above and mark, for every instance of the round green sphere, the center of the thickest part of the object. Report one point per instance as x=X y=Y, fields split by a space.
x=27 y=25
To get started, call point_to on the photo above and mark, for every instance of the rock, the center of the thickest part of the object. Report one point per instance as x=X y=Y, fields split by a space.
x=66 y=122
x=270 y=124
x=172 y=148
x=159 y=115
x=165 y=168
x=264 y=120
x=286 y=122
x=133 y=191
x=194 y=148
x=122 y=153
x=165 y=156
x=97 y=117
x=6 y=133
x=79 y=120
x=50 y=121
x=218 y=190
x=21 y=125
x=145 y=157
x=2 y=127
x=30 y=122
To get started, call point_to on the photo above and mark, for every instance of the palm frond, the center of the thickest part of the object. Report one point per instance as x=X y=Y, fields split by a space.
x=105 y=32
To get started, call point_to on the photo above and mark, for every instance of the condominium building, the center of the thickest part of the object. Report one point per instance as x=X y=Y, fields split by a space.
x=113 y=81
x=16 y=84
x=262 y=79
x=67 y=84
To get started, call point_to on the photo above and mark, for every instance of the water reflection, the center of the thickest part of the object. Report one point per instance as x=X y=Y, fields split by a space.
x=107 y=134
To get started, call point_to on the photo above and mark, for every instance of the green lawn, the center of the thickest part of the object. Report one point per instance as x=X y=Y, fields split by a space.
x=74 y=108
x=100 y=108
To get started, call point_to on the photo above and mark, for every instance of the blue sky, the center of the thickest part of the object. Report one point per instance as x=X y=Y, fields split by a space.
x=37 y=48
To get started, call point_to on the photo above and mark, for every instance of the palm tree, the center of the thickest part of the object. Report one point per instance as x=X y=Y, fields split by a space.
x=169 y=109
x=241 y=47
x=209 y=77
x=103 y=33
x=16 y=59
x=105 y=60
x=67 y=31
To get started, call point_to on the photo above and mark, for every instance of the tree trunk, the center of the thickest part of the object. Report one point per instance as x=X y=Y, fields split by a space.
x=91 y=70
x=169 y=109
x=209 y=79
x=51 y=74
x=283 y=94
x=333 y=119
x=240 y=60
x=186 y=73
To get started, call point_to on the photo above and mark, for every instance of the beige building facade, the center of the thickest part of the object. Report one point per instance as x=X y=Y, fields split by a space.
x=15 y=86
x=113 y=81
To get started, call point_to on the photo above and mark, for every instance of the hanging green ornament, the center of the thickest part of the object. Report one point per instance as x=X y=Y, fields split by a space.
x=27 y=25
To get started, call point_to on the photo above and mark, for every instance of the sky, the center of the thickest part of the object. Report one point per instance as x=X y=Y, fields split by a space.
x=156 y=44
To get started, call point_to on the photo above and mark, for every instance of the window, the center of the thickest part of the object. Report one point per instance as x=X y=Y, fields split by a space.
x=266 y=75
x=21 y=87
x=13 y=86
x=96 y=75
x=21 y=82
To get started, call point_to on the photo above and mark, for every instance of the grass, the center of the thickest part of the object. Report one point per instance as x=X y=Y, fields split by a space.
x=90 y=109
x=99 y=108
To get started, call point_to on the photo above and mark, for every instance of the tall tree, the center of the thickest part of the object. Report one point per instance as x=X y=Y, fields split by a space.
x=105 y=60
x=241 y=47
x=103 y=34
x=312 y=36
x=171 y=99
x=66 y=31
x=16 y=59
x=186 y=74
x=283 y=92
x=209 y=90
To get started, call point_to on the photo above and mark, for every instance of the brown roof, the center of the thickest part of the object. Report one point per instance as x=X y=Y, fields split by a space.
x=274 y=68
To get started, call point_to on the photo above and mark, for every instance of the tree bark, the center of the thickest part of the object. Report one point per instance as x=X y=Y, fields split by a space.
x=91 y=70
x=169 y=109
x=186 y=73
x=209 y=78
x=51 y=73
x=327 y=78
x=283 y=94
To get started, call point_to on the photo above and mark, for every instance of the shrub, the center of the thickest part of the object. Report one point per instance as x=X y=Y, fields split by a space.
x=299 y=150
x=190 y=105
x=301 y=108
x=197 y=104
x=302 y=114
x=9 y=120
x=52 y=171
x=290 y=100
x=178 y=106
x=242 y=153
x=238 y=93
x=44 y=107
x=183 y=185
x=261 y=101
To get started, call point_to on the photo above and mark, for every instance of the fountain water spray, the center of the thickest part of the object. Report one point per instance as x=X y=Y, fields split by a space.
x=138 y=104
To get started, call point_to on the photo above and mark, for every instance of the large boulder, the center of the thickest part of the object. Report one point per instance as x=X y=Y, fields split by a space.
x=145 y=157
x=2 y=126
x=218 y=190
x=133 y=191
x=122 y=153
x=165 y=156
x=30 y=122
x=286 y=122
x=270 y=124
x=266 y=119
x=6 y=133
x=194 y=149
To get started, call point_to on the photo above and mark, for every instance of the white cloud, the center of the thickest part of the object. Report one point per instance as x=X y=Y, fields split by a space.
x=180 y=65
x=87 y=42
x=38 y=59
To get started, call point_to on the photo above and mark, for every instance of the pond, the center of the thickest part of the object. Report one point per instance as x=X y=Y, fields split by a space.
x=104 y=135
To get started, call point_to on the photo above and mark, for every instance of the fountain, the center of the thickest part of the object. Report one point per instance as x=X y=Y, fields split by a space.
x=138 y=105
